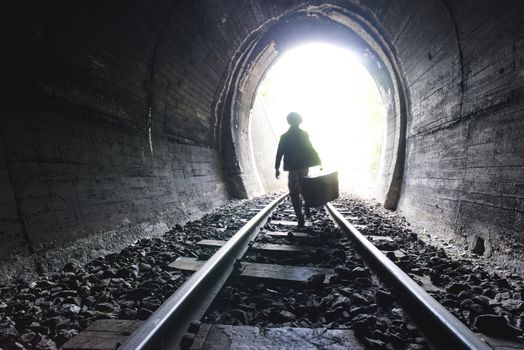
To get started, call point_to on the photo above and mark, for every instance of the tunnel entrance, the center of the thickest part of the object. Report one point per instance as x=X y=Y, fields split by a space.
x=253 y=61
x=342 y=109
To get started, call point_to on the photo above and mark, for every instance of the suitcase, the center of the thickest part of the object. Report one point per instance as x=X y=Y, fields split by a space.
x=318 y=190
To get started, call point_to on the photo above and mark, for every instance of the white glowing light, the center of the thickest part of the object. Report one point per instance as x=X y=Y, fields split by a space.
x=339 y=101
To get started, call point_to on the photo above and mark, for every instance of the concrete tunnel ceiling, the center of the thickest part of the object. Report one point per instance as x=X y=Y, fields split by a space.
x=327 y=23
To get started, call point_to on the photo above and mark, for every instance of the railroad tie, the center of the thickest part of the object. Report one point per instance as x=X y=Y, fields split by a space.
x=261 y=271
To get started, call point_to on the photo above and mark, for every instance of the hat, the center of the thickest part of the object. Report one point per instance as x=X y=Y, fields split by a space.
x=294 y=119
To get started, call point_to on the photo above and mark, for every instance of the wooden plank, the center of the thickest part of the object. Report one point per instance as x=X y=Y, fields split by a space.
x=262 y=271
x=283 y=272
x=211 y=243
x=288 y=211
x=398 y=254
x=501 y=344
x=267 y=247
x=380 y=238
x=187 y=264
x=283 y=222
x=288 y=234
x=102 y=335
x=286 y=248
x=223 y=337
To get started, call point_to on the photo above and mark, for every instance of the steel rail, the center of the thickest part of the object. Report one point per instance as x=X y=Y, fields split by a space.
x=442 y=329
x=165 y=328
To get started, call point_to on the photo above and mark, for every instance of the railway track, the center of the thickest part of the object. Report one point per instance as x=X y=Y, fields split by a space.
x=326 y=286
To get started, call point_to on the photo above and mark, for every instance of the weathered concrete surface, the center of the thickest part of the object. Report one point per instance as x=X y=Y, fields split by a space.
x=107 y=132
x=110 y=123
x=465 y=165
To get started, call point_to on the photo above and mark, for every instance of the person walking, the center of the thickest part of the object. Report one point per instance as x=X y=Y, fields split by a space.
x=299 y=155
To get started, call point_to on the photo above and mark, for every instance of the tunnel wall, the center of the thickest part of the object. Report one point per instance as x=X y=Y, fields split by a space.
x=107 y=130
x=460 y=65
x=465 y=148
x=110 y=130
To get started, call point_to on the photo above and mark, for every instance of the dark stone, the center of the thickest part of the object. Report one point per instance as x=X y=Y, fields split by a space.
x=360 y=272
x=421 y=341
x=65 y=334
x=287 y=316
x=342 y=301
x=358 y=298
x=412 y=346
x=450 y=303
x=18 y=346
x=339 y=253
x=29 y=338
x=45 y=343
x=241 y=316
x=315 y=282
x=343 y=272
x=8 y=335
x=477 y=290
x=37 y=327
x=364 y=282
x=194 y=326
x=140 y=293
x=70 y=309
x=105 y=307
x=143 y=313
x=335 y=313
x=412 y=330
x=496 y=325
x=71 y=267
x=502 y=282
x=346 y=291
x=503 y=296
x=384 y=298
x=187 y=341
x=362 y=328
x=469 y=304
x=456 y=288
x=513 y=305
x=472 y=278
x=386 y=245
x=326 y=301
x=377 y=334
x=261 y=302
x=482 y=300
x=57 y=322
x=464 y=295
x=359 y=310
x=391 y=256
x=235 y=298
x=376 y=344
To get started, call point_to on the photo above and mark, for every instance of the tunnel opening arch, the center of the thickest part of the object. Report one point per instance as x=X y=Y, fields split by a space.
x=344 y=27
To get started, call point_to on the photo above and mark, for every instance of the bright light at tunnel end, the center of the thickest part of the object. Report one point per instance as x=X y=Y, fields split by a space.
x=341 y=106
